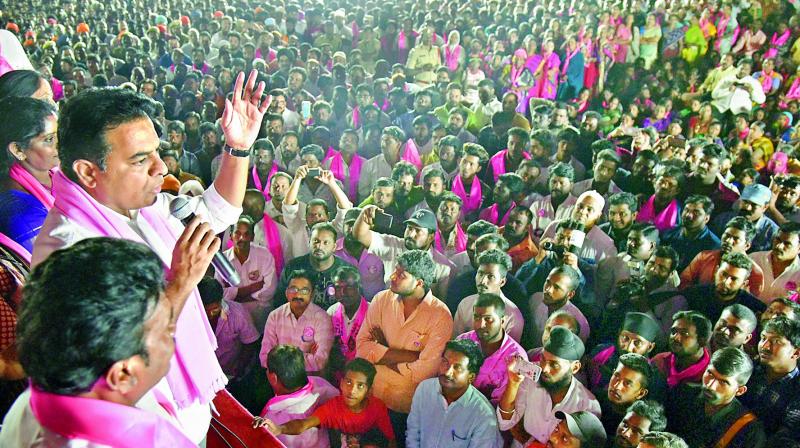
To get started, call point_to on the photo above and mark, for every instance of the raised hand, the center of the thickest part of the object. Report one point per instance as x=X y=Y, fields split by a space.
x=241 y=119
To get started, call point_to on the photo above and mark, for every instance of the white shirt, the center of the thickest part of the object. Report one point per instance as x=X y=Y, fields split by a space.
x=534 y=406
x=298 y=229
x=596 y=246
x=286 y=235
x=259 y=266
x=544 y=213
x=462 y=321
x=540 y=314
x=776 y=287
x=739 y=101
x=372 y=170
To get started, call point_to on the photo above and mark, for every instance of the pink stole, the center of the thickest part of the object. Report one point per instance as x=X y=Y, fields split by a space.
x=675 y=377
x=338 y=170
x=498 y=163
x=273 y=239
x=451 y=57
x=600 y=359
x=411 y=155
x=104 y=422
x=794 y=90
x=305 y=390
x=257 y=181
x=348 y=339
x=776 y=41
x=472 y=202
x=665 y=220
x=13 y=246
x=461 y=240
x=194 y=374
x=356 y=118
x=492 y=214
x=31 y=185
x=766 y=81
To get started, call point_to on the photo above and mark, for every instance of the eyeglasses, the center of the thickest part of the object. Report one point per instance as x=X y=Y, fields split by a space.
x=293 y=290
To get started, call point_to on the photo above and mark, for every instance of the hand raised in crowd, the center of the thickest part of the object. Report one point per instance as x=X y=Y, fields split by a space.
x=241 y=119
x=191 y=257
x=326 y=177
x=369 y=212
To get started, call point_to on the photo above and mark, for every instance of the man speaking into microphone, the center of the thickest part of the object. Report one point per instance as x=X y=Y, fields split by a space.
x=109 y=185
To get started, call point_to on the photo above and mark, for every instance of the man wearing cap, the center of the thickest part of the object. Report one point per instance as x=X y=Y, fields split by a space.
x=559 y=289
x=588 y=210
x=781 y=265
x=535 y=403
x=419 y=235
x=577 y=430
x=753 y=204
x=369 y=265
x=637 y=335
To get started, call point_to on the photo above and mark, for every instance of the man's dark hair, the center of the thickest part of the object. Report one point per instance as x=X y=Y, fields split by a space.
x=792 y=228
x=403 y=168
x=87 y=117
x=325 y=227
x=20 y=83
x=651 y=410
x=475 y=150
x=738 y=260
x=346 y=271
x=704 y=201
x=491 y=300
x=498 y=257
x=21 y=119
x=660 y=439
x=480 y=228
x=70 y=333
x=570 y=224
x=363 y=366
x=562 y=169
x=624 y=198
x=314 y=150
x=453 y=141
x=545 y=139
x=318 y=202
x=787 y=328
x=300 y=273
x=419 y=264
x=513 y=181
x=609 y=155
x=639 y=364
x=521 y=133
x=647 y=230
x=287 y=363
x=492 y=238
x=741 y=223
x=436 y=172
x=470 y=349
x=701 y=324
x=210 y=290
x=669 y=253
x=731 y=361
x=569 y=271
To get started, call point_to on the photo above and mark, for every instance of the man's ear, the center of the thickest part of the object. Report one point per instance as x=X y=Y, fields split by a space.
x=86 y=172
x=121 y=377
x=576 y=367
x=741 y=390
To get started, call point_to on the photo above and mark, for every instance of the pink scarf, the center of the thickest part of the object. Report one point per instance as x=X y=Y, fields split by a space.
x=776 y=41
x=356 y=118
x=31 y=185
x=472 y=202
x=498 y=163
x=451 y=57
x=104 y=422
x=675 y=377
x=492 y=214
x=13 y=246
x=665 y=220
x=338 y=170
x=794 y=90
x=299 y=393
x=411 y=155
x=194 y=374
x=348 y=339
x=257 y=181
x=273 y=239
x=460 y=244
x=600 y=359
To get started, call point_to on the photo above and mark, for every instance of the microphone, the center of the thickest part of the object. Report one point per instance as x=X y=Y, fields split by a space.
x=181 y=209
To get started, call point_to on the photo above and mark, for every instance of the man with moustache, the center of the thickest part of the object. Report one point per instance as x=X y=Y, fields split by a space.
x=688 y=356
x=448 y=153
x=631 y=381
x=588 y=210
x=533 y=405
x=785 y=195
x=753 y=204
x=558 y=204
x=640 y=245
x=349 y=249
x=517 y=231
x=705 y=180
x=433 y=187
x=693 y=236
x=481 y=112
x=559 y=289
x=734 y=328
x=622 y=210
x=450 y=238
x=781 y=265
x=641 y=418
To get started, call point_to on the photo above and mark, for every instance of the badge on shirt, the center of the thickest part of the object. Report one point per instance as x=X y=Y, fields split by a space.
x=254 y=275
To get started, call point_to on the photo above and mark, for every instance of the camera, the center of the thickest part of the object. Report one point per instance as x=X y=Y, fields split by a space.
x=551 y=247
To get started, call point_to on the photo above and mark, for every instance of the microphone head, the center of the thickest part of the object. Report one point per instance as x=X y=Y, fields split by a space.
x=180 y=208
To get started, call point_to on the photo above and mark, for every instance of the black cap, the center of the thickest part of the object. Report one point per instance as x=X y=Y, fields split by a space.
x=586 y=427
x=641 y=324
x=352 y=214
x=423 y=218
x=564 y=344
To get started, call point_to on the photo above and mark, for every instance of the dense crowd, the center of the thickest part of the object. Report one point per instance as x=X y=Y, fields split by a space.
x=463 y=223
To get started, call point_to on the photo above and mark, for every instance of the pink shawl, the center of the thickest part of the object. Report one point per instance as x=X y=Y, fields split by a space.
x=775 y=42
x=498 y=163
x=794 y=90
x=451 y=57
x=665 y=220
x=13 y=246
x=472 y=202
x=600 y=359
x=194 y=374
x=676 y=377
x=348 y=339
x=104 y=422
x=273 y=239
x=461 y=240
x=411 y=155
x=257 y=181
x=356 y=118
x=31 y=185
x=338 y=170
x=492 y=214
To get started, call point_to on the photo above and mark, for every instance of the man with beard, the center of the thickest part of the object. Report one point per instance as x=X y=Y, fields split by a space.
x=641 y=244
x=641 y=179
x=558 y=204
x=421 y=136
x=638 y=335
x=631 y=381
x=422 y=108
x=730 y=280
x=455 y=125
x=688 y=356
x=781 y=265
x=529 y=408
x=509 y=159
x=705 y=180
x=347 y=316
x=559 y=289
x=693 y=236
x=170 y=159
x=320 y=264
x=707 y=413
x=506 y=188
x=433 y=188
x=392 y=139
x=419 y=234
x=493 y=266
x=273 y=128
x=346 y=163
x=391 y=338
x=642 y=417
x=622 y=210
x=291 y=119
x=517 y=232
x=454 y=99
x=176 y=132
x=489 y=323
x=481 y=112
x=407 y=193
x=736 y=239
x=273 y=209
x=588 y=210
x=783 y=207
x=773 y=393
x=753 y=204
x=530 y=171
x=494 y=137
x=264 y=166
x=209 y=155
x=467 y=416
x=349 y=249
x=448 y=153
x=299 y=322
x=605 y=168
x=566 y=142
x=450 y=238
x=589 y=134
x=364 y=98
x=663 y=208
x=734 y=328
x=192 y=125
x=382 y=196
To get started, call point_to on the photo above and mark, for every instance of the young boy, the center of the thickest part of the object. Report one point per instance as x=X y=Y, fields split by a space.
x=357 y=415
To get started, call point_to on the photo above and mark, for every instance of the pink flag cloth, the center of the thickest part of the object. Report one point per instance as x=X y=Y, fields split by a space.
x=775 y=42
x=471 y=201
x=411 y=155
x=498 y=163
x=676 y=377
x=194 y=374
x=461 y=240
x=104 y=422
x=272 y=237
x=356 y=118
x=348 y=338
x=451 y=56
x=600 y=359
x=664 y=220
x=338 y=170
x=13 y=246
x=492 y=214
x=264 y=189
x=31 y=185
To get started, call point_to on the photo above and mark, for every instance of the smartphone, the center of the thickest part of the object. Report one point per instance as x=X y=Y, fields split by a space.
x=305 y=109
x=313 y=172
x=383 y=220
x=527 y=368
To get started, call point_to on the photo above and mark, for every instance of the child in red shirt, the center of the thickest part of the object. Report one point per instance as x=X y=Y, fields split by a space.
x=360 y=417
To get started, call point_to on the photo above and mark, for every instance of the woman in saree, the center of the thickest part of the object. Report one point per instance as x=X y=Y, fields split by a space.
x=673 y=37
x=648 y=44
x=546 y=75
x=28 y=137
x=572 y=71
x=518 y=79
x=623 y=37
x=590 y=68
x=695 y=44
x=454 y=54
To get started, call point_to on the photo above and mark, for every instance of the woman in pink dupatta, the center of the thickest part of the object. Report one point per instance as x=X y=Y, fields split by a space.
x=622 y=39
x=518 y=79
x=454 y=54
x=406 y=40
x=547 y=73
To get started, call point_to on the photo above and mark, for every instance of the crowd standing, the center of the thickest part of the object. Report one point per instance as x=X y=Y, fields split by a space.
x=464 y=223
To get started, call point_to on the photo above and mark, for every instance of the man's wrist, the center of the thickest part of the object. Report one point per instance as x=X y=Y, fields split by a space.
x=236 y=152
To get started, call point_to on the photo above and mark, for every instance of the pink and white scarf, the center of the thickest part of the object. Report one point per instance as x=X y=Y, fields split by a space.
x=272 y=237
x=498 y=163
x=31 y=185
x=194 y=374
x=676 y=377
x=460 y=240
x=411 y=155
x=264 y=189
x=492 y=214
x=338 y=169
x=451 y=56
x=664 y=220
x=472 y=201
x=348 y=338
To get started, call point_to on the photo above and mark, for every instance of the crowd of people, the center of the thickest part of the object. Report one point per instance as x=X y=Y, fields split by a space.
x=465 y=223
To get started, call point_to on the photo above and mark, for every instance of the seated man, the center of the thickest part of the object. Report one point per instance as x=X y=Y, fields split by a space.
x=355 y=413
x=535 y=403
x=559 y=318
x=102 y=366
x=297 y=395
x=588 y=210
x=450 y=407
x=575 y=430
x=631 y=381
x=506 y=188
x=299 y=323
x=622 y=211
x=693 y=235
x=517 y=231
x=734 y=328
x=641 y=418
x=488 y=322
x=347 y=316
x=705 y=414
x=781 y=264
x=558 y=204
x=640 y=245
x=688 y=356
x=780 y=307
x=559 y=289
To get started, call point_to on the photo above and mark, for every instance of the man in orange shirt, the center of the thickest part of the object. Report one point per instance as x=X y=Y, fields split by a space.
x=517 y=233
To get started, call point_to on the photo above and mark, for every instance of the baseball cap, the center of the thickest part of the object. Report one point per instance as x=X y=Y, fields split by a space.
x=757 y=194
x=585 y=426
x=423 y=218
x=352 y=214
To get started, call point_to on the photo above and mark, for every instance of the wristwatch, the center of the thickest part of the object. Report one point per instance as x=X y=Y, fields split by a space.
x=236 y=152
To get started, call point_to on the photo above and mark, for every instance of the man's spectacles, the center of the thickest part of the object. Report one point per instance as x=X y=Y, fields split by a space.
x=293 y=290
